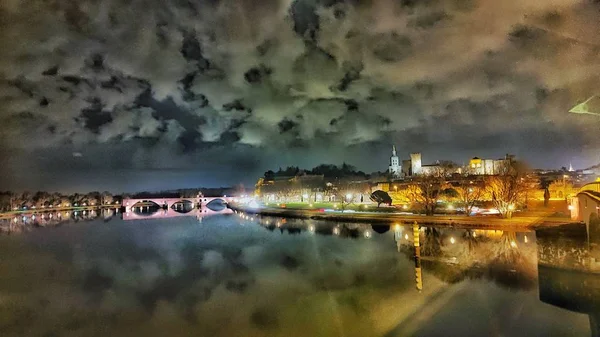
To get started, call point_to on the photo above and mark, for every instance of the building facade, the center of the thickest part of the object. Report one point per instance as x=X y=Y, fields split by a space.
x=479 y=166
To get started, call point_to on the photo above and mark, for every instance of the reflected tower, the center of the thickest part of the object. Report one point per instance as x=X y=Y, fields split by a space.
x=418 y=274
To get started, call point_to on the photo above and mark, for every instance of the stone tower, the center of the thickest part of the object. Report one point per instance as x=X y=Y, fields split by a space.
x=415 y=163
x=395 y=167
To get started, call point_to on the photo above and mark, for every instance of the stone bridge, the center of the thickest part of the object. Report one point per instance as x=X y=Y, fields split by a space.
x=168 y=202
x=585 y=206
x=171 y=213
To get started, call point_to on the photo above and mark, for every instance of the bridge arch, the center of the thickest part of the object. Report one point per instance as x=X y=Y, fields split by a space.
x=183 y=206
x=143 y=203
x=216 y=204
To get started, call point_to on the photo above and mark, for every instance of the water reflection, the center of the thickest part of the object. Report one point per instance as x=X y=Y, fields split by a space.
x=269 y=276
x=507 y=258
x=344 y=230
x=27 y=222
x=569 y=271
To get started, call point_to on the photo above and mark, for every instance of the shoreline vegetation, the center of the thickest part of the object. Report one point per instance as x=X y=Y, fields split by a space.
x=10 y=214
x=524 y=220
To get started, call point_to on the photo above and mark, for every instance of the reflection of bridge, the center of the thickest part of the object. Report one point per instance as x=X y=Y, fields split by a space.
x=586 y=204
x=171 y=213
x=168 y=202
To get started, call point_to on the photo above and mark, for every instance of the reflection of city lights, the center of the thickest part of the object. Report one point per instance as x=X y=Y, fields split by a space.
x=368 y=234
x=513 y=244
x=406 y=236
x=452 y=240
x=15 y=220
x=336 y=231
x=526 y=239
x=474 y=234
x=397 y=227
x=311 y=228
x=278 y=224
x=571 y=207
x=267 y=222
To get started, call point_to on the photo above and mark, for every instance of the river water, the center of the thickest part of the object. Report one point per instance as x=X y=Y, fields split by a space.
x=239 y=275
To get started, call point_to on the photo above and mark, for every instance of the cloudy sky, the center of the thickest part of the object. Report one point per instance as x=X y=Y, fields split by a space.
x=131 y=95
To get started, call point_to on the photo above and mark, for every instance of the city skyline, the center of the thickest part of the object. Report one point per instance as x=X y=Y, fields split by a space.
x=215 y=93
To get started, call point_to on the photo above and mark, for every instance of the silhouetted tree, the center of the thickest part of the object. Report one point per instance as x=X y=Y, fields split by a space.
x=381 y=197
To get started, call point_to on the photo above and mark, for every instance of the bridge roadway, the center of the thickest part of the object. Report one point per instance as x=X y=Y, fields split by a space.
x=127 y=203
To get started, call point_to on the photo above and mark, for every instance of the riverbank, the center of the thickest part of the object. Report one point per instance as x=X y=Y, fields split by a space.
x=11 y=214
x=537 y=220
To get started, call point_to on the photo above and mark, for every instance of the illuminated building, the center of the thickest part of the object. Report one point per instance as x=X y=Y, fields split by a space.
x=478 y=166
x=395 y=169
x=415 y=163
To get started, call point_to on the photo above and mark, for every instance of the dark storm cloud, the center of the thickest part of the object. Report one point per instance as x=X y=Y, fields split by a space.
x=195 y=85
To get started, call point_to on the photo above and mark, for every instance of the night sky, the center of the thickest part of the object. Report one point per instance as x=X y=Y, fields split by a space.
x=128 y=95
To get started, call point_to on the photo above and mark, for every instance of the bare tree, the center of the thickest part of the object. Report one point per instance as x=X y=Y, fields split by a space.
x=469 y=192
x=345 y=193
x=509 y=187
x=426 y=189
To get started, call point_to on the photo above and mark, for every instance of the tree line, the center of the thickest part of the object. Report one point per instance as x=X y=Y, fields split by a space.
x=507 y=190
x=327 y=170
x=41 y=199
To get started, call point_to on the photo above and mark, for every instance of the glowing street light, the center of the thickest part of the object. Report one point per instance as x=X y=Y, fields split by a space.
x=349 y=196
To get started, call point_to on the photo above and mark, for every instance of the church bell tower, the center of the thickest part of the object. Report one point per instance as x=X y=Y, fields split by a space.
x=395 y=167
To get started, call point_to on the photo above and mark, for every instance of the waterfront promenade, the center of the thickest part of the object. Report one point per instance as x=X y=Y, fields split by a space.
x=524 y=220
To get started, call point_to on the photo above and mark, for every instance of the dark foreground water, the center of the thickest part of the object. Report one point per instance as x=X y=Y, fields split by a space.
x=233 y=275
